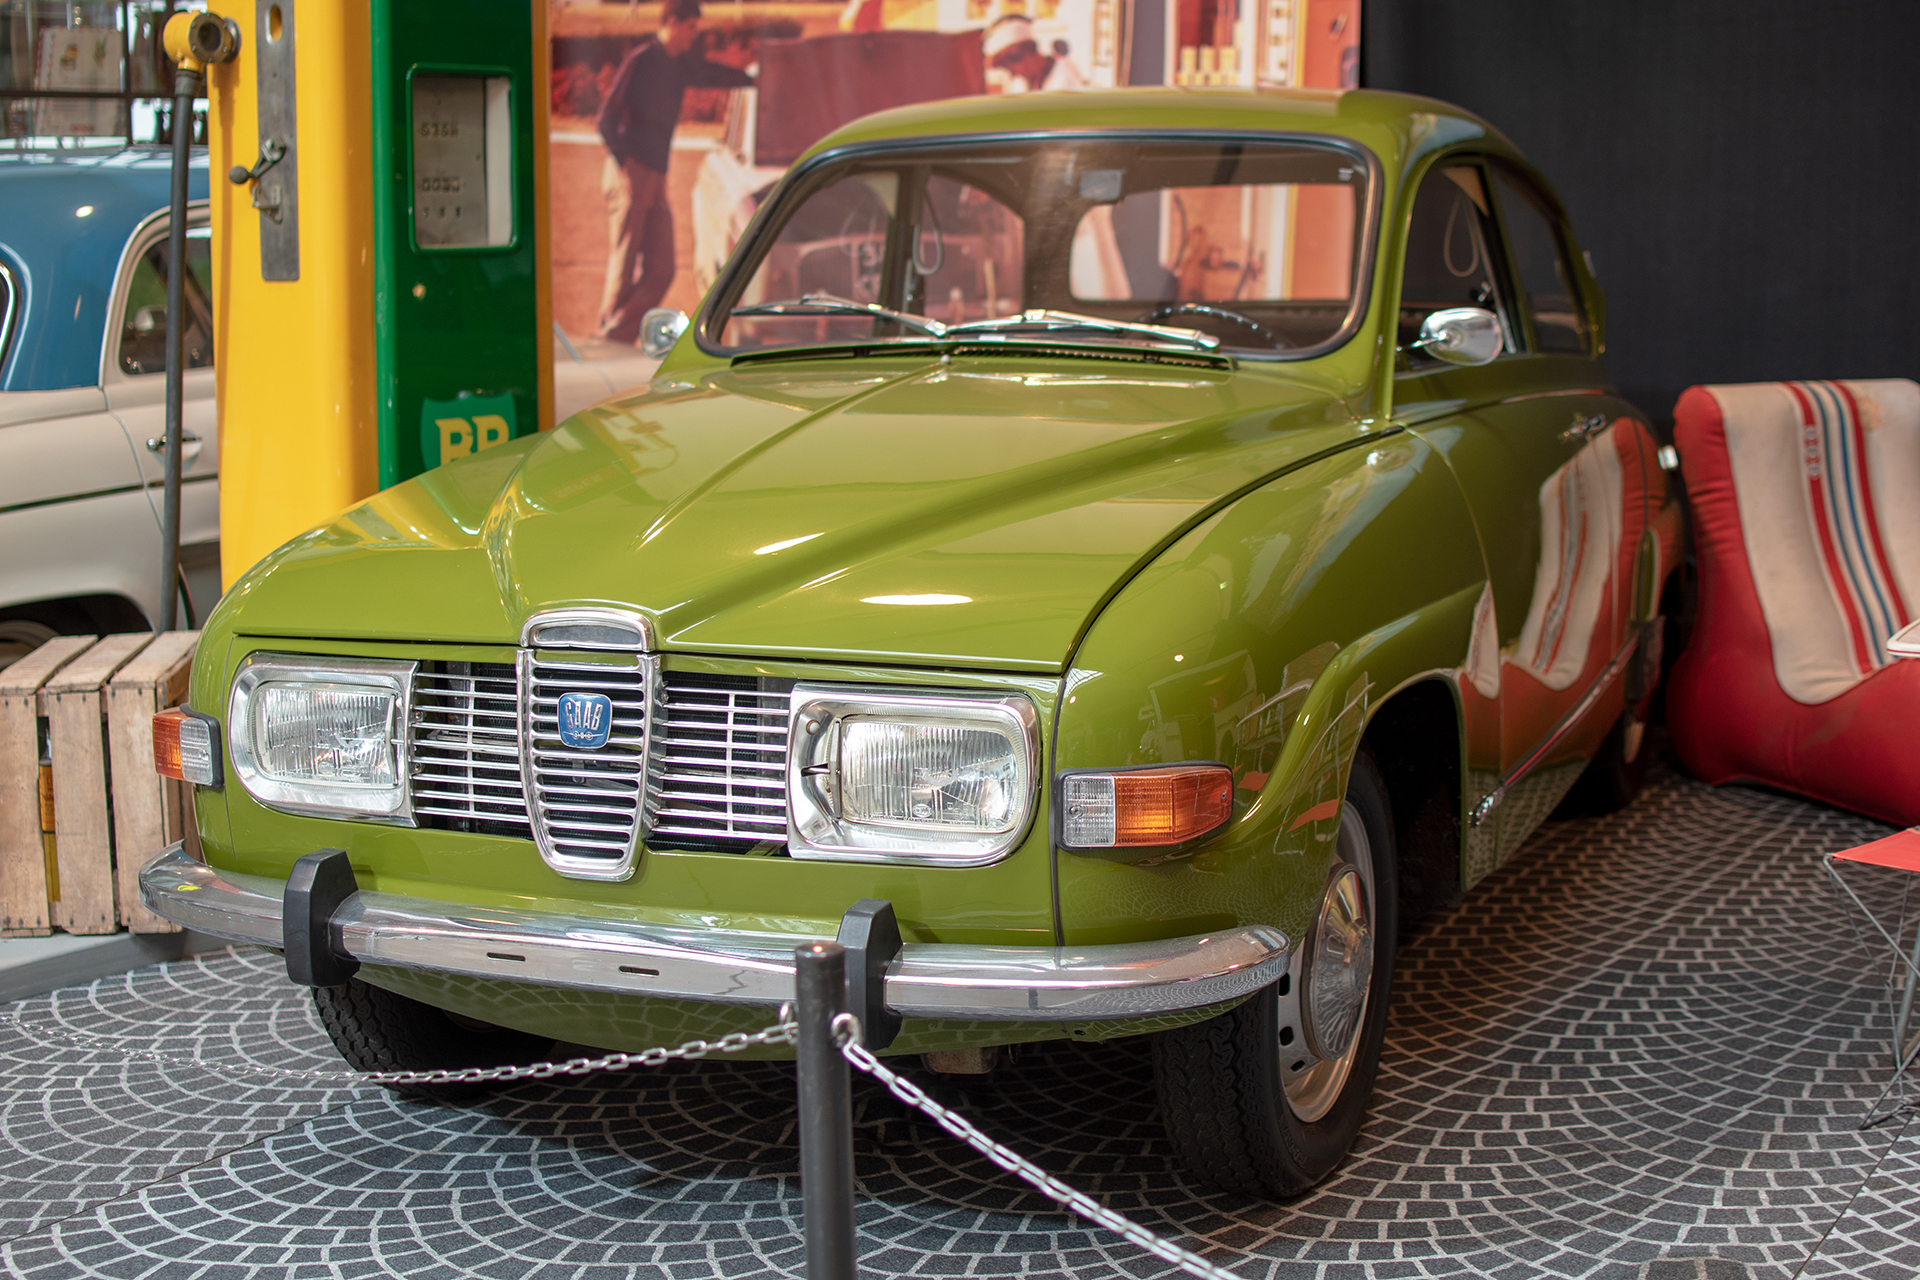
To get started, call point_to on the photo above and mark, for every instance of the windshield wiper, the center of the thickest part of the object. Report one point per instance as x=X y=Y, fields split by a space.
x=1040 y=319
x=826 y=304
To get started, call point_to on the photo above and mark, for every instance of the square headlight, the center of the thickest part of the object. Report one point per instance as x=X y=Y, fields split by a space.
x=936 y=779
x=323 y=736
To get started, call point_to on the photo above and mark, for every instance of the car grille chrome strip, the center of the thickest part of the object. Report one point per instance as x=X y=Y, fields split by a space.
x=716 y=746
x=466 y=747
x=723 y=763
x=587 y=807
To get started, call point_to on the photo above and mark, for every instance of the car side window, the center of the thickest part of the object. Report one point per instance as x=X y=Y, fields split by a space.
x=1453 y=258
x=1540 y=257
x=143 y=325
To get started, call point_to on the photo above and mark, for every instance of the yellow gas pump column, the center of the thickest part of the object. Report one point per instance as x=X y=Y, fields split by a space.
x=347 y=312
x=292 y=271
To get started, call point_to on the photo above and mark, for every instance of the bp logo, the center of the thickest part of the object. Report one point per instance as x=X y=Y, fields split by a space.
x=585 y=720
x=468 y=423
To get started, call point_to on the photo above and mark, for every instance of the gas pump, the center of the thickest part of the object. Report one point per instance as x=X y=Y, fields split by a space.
x=379 y=250
x=462 y=335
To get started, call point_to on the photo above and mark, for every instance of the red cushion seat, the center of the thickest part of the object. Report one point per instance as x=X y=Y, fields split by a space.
x=1806 y=506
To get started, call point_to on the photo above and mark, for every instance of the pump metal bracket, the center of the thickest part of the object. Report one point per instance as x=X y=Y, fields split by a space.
x=276 y=177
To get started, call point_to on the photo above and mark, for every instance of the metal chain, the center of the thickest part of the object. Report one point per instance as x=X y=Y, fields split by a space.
x=846 y=1034
x=781 y=1032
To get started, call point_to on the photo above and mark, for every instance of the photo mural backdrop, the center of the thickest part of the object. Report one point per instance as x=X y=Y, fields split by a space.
x=671 y=121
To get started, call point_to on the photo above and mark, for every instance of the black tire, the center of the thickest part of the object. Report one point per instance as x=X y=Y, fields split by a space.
x=379 y=1030
x=1613 y=778
x=1223 y=1094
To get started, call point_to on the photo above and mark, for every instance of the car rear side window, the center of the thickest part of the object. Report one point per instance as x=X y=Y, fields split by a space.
x=1540 y=256
x=1453 y=258
x=143 y=326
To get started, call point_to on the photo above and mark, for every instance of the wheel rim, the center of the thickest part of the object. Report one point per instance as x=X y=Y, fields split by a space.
x=1336 y=975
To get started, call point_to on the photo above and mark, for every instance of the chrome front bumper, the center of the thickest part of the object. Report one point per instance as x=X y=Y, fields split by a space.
x=927 y=980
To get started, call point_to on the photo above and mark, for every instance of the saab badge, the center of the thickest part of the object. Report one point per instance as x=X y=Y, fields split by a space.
x=585 y=720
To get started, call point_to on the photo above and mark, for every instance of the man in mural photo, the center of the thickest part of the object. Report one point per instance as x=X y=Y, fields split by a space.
x=636 y=122
x=1009 y=45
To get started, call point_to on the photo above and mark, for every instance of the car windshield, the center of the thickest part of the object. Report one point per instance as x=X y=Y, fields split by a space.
x=1257 y=244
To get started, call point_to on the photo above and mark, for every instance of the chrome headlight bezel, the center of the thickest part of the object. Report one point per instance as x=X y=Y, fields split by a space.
x=392 y=805
x=816 y=830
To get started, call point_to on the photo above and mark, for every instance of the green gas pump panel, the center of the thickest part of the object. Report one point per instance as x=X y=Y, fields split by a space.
x=457 y=338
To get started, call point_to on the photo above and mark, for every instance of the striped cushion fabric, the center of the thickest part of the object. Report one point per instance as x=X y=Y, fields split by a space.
x=1806 y=511
x=1825 y=476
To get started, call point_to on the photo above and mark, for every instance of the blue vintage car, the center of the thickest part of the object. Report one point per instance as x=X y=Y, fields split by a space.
x=83 y=263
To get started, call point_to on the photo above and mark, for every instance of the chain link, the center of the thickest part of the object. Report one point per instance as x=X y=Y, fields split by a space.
x=846 y=1034
x=781 y=1032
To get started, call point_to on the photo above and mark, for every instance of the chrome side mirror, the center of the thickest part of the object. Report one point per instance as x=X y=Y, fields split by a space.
x=1461 y=335
x=660 y=328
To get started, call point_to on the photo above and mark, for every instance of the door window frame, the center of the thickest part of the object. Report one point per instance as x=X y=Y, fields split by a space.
x=1515 y=326
x=1557 y=225
x=151 y=231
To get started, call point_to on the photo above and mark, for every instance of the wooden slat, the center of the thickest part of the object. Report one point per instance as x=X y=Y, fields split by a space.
x=74 y=703
x=149 y=812
x=24 y=910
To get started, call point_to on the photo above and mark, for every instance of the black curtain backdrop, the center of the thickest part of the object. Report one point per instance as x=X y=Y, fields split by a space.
x=1745 y=173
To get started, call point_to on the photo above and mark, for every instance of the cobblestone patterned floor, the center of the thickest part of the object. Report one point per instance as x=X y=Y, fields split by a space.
x=1639 y=1052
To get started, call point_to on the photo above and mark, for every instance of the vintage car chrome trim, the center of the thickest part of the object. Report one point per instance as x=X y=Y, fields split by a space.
x=928 y=980
x=588 y=808
x=267 y=667
x=816 y=829
x=1491 y=801
x=588 y=627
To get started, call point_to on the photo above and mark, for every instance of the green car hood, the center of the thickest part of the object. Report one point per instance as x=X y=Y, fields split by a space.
x=973 y=513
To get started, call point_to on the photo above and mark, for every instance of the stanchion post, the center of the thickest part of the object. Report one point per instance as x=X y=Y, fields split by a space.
x=826 y=1113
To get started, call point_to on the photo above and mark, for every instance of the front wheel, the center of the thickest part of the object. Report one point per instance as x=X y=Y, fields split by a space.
x=379 y=1030
x=1266 y=1098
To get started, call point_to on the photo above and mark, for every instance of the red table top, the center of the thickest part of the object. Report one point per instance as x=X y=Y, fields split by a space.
x=1900 y=851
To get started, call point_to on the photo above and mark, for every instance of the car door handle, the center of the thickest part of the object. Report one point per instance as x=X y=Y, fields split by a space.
x=1584 y=427
x=189 y=445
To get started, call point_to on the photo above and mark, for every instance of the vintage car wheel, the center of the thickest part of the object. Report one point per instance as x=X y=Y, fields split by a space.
x=1238 y=1110
x=379 y=1030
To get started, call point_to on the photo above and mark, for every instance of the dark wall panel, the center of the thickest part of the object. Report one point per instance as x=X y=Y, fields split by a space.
x=1745 y=173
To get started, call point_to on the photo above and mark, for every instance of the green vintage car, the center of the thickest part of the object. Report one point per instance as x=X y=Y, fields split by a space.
x=1157 y=541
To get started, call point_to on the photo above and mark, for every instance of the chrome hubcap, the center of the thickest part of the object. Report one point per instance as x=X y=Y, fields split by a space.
x=1340 y=968
x=1336 y=975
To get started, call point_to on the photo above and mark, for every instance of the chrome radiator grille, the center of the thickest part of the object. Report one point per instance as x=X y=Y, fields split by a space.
x=717 y=781
x=466 y=748
x=587 y=806
x=722 y=753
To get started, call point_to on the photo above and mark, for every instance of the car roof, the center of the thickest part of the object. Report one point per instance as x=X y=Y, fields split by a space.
x=65 y=263
x=1397 y=127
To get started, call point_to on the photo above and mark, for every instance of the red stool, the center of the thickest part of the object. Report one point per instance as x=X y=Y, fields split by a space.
x=1901 y=853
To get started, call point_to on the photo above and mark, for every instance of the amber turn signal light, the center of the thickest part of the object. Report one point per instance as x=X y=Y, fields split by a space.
x=1135 y=807
x=186 y=746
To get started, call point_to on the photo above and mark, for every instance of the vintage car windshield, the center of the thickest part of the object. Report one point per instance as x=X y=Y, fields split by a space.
x=1258 y=244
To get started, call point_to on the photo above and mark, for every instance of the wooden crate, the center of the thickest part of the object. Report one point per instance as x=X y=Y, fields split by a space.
x=149 y=812
x=25 y=853
x=75 y=831
x=75 y=705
